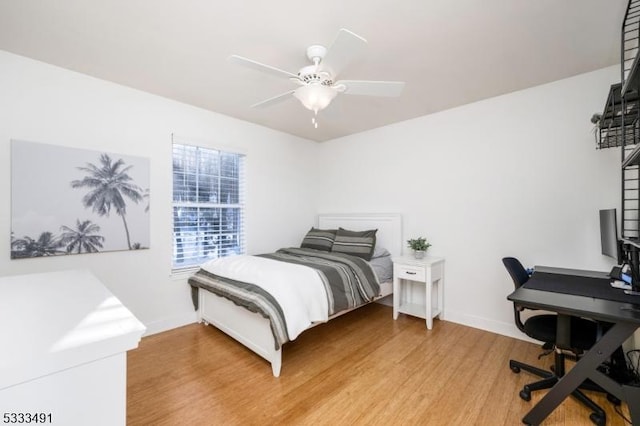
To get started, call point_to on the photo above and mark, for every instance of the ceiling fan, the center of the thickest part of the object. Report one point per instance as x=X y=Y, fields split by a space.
x=317 y=84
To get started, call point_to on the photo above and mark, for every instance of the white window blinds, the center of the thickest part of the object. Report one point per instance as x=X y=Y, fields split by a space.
x=208 y=205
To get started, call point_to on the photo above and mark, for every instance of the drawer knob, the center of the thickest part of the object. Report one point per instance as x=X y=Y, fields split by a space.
x=410 y=273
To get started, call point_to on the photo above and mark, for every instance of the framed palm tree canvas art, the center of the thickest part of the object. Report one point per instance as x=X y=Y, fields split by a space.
x=72 y=201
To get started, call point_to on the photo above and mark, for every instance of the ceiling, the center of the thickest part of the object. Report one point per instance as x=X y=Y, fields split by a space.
x=449 y=53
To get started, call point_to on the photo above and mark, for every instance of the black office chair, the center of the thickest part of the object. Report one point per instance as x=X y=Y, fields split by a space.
x=543 y=328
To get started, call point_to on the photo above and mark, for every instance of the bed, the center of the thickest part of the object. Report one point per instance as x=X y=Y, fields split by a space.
x=260 y=334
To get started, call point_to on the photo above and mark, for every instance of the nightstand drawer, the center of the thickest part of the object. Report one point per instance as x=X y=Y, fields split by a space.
x=407 y=272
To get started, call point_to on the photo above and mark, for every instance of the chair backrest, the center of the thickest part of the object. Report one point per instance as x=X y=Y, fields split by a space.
x=518 y=274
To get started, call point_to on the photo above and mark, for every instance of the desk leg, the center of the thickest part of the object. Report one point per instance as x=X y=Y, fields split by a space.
x=580 y=372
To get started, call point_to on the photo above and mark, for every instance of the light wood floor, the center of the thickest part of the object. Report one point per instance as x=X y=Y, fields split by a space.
x=361 y=368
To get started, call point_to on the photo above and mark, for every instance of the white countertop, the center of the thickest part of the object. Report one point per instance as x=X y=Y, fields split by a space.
x=57 y=320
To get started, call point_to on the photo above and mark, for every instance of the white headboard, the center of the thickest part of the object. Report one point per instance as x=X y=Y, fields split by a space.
x=389 y=227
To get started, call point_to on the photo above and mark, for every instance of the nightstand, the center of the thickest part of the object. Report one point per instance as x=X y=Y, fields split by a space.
x=414 y=283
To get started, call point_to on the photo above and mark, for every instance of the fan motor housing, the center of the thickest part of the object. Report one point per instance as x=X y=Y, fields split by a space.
x=310 y=74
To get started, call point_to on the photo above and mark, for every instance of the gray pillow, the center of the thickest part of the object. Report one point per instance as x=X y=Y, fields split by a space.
x=380 y=252
x=319 y=239
x=383 y=267
x=355 y=243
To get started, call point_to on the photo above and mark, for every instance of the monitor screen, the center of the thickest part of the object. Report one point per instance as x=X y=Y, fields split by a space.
x=609 y=234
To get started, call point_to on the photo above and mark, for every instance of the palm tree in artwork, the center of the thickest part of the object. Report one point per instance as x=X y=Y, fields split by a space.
x=46 y=245
x=17 y=247
x=109 y=184
x=146 y=195
x=83 y=239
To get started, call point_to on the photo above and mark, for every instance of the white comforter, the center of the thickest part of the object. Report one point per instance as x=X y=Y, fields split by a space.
x=298 y=289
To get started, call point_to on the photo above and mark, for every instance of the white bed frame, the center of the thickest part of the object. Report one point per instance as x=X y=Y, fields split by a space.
x=253 y=330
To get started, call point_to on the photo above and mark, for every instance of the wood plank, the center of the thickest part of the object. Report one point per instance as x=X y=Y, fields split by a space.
x=361 y=368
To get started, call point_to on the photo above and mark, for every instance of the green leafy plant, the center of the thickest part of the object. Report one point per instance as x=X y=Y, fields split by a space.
x=418 y=244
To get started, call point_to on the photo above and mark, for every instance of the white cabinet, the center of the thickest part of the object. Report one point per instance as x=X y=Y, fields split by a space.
x=418 y=287
x=64 y=342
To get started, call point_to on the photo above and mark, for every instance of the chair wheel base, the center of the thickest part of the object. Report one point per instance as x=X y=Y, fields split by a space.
x=515 y=369
x=525 y=394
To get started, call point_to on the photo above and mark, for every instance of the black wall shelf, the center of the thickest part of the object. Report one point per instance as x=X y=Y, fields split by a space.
x=614 y=122
x=630 y=45
x=633 y=158
x=628 y=121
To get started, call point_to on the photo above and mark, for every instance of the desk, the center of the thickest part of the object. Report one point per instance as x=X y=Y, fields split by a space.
x=625 y=317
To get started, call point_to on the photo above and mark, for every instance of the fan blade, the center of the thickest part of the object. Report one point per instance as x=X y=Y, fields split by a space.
x=272 y=101
x=346 y=47
x=371 y=88
x=249 y=63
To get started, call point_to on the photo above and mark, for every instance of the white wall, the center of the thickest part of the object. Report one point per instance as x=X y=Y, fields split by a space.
x=42 y=103
x=516 y=175
x=513 y=175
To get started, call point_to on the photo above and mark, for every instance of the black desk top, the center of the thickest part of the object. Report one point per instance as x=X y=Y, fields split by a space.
x=574 y=272
x=539 y=296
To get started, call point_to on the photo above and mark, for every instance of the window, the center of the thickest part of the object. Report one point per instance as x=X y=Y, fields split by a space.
x=208 y=205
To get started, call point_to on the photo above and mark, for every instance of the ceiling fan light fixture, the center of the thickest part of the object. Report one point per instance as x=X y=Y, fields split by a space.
x=315 y=97
x=317 y=83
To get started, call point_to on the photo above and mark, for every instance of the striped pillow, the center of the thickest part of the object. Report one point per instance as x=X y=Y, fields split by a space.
x=355 y=243
x=319 y=239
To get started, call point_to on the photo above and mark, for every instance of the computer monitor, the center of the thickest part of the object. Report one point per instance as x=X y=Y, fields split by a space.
x=609 y=235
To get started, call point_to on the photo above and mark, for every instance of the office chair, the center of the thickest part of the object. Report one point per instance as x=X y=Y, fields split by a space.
x=543 y=328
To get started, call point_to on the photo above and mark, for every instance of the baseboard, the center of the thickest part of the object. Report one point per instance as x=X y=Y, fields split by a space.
x=508 y=329
x=170 y=323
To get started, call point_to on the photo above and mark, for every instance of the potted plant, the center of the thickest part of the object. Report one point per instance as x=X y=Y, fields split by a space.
x=419 y=246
